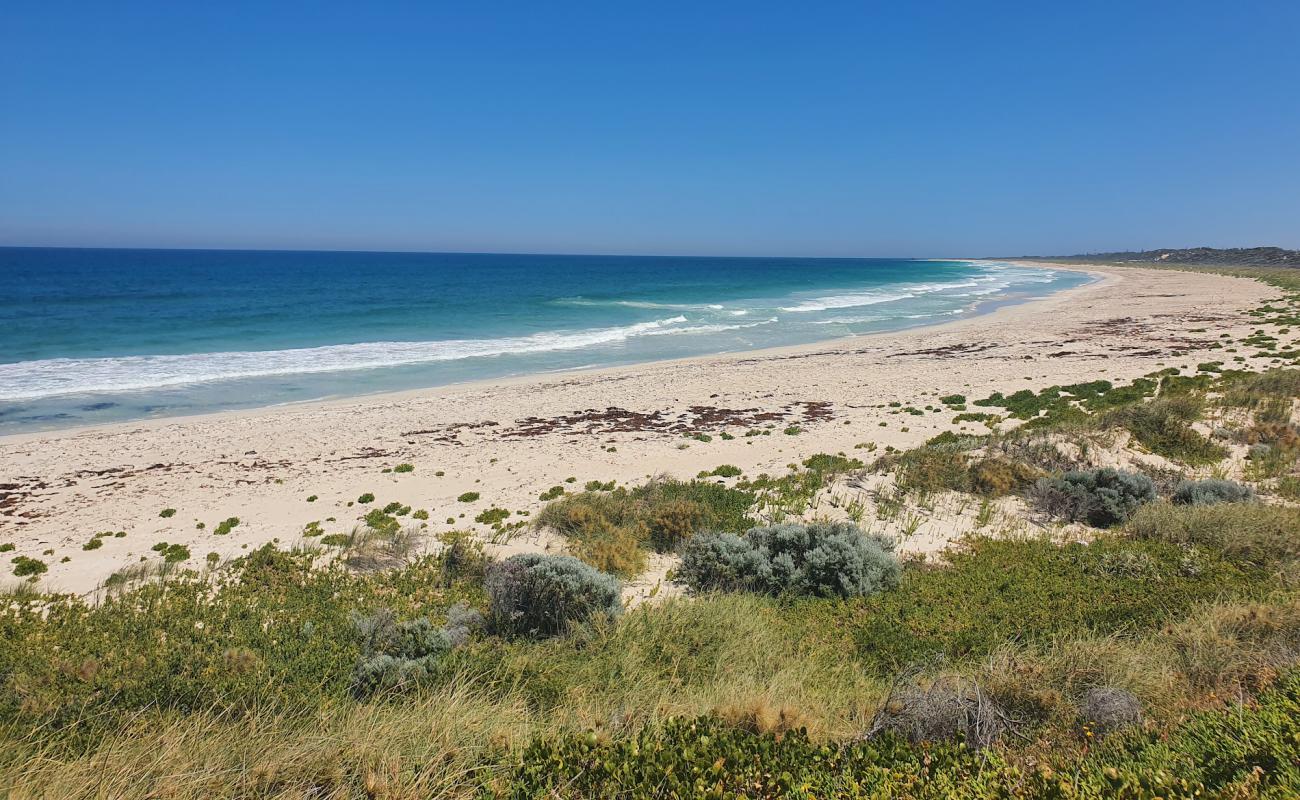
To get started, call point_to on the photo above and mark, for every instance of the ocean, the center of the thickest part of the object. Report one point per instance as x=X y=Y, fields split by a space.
x=94 y=336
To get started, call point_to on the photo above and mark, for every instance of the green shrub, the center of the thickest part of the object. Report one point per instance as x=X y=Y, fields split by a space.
x=1243 y=751
x=540 y=595
x=468 y=497
x=368 y=497
x=400 y=468
x=376 y=520
x=722 y=471
x=226 y=526
x=1210 y=491
x=492 y=516
x=25 y=566
x=167 y=512
x=172 y=553
x=94 y=544
x=1102 y=497
x=822 y=559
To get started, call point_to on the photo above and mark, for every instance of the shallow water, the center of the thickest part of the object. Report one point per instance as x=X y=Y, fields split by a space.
x=92 y=336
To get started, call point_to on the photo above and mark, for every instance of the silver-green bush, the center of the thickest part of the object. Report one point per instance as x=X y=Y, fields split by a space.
x=397 y=654
x=1210 y=491
x=540 y=595
x=1099 y=497
x=825 y=559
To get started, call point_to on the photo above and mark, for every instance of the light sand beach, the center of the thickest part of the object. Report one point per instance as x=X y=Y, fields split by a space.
x=511 y=440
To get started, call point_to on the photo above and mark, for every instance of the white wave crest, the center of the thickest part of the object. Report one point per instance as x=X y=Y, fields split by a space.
x=30 y=380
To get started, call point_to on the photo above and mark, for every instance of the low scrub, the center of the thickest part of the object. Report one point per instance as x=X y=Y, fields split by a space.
x=612 y=530
x=1243 y=751
x=1210 y=491
x=539 y=595
x=1101 y=498
x=402 y=654
x=822 y=559
x=942 y=466
x=996 y=590
x=948 y=708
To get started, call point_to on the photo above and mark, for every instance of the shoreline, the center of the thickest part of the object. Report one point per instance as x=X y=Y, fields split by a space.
x=511 y=440
x=478 y=384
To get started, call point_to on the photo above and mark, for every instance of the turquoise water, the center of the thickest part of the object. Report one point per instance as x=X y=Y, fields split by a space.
x=89 y=336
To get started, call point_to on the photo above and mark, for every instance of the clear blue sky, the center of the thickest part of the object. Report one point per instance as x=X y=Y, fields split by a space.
x=902 y=128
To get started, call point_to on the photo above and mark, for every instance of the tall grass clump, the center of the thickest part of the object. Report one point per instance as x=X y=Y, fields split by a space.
x=1163 y=426
x=824 y=559
x=613 y=530
x=539 y=595
x=1261 y=534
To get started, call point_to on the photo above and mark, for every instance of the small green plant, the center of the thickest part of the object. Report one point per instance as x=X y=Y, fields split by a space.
x=492 y=516
x=24 y=566
x=551 y=493
x=226 y=526
x=468 y=497
x=94 y=544
x=722 y=471
x=368 y=497
x=312 y=498
x=403 y=468
x=172 y=553
x=167 y=512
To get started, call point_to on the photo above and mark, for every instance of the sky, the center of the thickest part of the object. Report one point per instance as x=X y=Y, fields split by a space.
x=704 y=128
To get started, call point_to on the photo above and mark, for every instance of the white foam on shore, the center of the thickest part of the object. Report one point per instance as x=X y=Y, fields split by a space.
x=33 y=380
x=30 y=380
